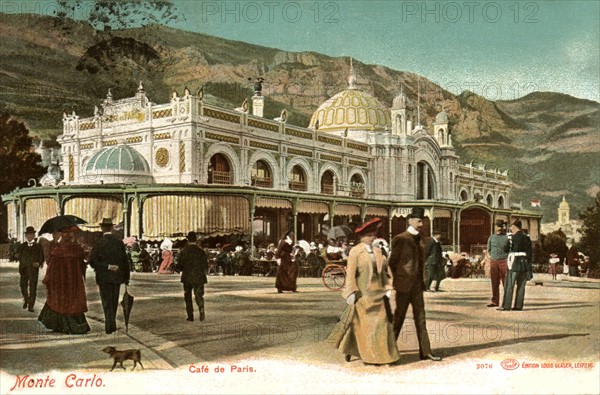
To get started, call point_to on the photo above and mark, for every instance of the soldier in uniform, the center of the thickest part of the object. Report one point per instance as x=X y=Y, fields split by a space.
x=407 y=261
x=111 y=263
x=31 y=259
x=519 y=267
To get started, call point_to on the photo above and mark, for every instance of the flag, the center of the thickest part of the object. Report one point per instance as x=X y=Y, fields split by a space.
x=535 y=203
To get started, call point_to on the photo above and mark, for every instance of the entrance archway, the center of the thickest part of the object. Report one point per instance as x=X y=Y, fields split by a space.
x=474 y=229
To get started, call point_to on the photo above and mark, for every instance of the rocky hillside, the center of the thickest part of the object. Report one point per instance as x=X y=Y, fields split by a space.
x=49 y=66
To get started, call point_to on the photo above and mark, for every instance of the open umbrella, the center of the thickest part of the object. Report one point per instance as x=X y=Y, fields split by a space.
x=339 y=231
x=127 y=304
x=59 y=222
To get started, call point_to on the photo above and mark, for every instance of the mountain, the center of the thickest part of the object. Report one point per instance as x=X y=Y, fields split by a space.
x=49 y=66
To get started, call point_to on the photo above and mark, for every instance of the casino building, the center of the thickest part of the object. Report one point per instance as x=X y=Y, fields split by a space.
x=163 y=170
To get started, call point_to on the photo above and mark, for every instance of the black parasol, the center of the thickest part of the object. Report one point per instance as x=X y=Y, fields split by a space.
x=59 y=222
x=127 y=304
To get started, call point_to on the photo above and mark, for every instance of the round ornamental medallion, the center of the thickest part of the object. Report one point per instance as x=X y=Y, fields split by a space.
x=161 y=157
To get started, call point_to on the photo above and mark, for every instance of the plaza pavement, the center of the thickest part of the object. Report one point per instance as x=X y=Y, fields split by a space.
x=266 y=342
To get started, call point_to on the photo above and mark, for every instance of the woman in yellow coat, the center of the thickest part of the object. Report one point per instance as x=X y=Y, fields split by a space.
x=370 y=335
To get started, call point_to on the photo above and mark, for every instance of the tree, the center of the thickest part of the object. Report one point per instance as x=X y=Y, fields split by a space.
x=590 y=230
x=18 y=161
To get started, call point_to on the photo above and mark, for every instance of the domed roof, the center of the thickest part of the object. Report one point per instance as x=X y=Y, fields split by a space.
x=563 y=204
x=118 y=158
x=402 y=101
x=351 y=109
x=442 y=117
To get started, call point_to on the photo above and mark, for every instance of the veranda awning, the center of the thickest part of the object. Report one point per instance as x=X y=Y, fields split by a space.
x=38 y=210
x=377 y=211
x=313 y=208
x=273 y=203
x=11 y=209
x=346 y=209
x=214 y=215
x=94 y=208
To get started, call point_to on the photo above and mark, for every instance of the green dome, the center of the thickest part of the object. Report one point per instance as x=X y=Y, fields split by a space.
x=119 y=158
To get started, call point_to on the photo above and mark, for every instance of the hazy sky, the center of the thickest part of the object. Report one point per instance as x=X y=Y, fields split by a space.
x=501 y=49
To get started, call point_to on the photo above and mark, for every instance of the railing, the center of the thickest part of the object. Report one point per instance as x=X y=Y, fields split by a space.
x=327 y=189
x=358 y=193
x=297 y=186
x=262 y=182
x=220 y=177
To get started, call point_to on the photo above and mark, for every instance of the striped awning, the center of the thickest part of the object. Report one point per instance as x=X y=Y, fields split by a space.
x=273 y=203
x=94 y=208
x=442 y=213
x=377 y=211
x=11 y=209
x=134 y=227
x=346 y=209
x=38 y=210
x=214 y=215
x=313 y=208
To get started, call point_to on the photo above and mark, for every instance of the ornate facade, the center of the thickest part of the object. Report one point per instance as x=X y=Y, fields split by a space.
x=163 y=170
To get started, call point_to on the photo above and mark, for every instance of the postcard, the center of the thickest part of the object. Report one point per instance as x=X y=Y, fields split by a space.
x=312 y=197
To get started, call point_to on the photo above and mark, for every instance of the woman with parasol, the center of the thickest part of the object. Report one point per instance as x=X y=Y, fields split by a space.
x=65 y=288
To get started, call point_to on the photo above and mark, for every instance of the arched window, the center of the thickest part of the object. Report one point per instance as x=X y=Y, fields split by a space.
x=501 y=202
x=327 y=186
x=489 y=200
x=261 y=175
x=399 y=123
x=425 y=182
x=297 y=179
x=219 y=171
x=464 y=196
x=357 y=186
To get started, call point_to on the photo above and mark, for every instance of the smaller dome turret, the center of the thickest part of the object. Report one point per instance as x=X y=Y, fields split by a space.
x=442 y=117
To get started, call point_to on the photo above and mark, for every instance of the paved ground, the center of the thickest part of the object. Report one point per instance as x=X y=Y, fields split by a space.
x=273 y=343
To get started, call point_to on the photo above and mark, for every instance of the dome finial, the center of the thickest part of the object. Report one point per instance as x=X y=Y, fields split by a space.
x=351 y=77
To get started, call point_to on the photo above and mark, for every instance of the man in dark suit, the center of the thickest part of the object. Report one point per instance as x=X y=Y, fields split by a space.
x=31 y=259
x=407 y=261
x=111 y=263
x=193 y=265
x=519 y=267
x=435 y=266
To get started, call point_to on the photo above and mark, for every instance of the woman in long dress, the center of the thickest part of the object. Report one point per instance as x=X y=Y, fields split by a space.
x=287 y=272
x=370 y=334
x=65 y=288
x=166 y=266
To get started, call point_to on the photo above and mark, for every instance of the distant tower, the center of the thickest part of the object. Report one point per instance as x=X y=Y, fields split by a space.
x=440 y=129
x=402 y=113
x=563 y=212
x=258 y=100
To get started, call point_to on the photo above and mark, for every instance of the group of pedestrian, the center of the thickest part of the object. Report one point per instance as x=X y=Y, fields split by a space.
x=372 y=322
x=510 y=265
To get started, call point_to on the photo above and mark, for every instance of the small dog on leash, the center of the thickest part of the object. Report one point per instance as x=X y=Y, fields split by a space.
x=122 y=356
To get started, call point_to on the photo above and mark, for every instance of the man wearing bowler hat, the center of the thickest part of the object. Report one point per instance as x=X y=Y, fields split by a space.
x=31 y=259
x=193 y=265
x=435 y=265
x=497 y=245
x=407 y=261
x=519 y=267
x=109 y=260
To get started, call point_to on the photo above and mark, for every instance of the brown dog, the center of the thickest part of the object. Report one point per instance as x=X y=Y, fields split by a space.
x=122 y=356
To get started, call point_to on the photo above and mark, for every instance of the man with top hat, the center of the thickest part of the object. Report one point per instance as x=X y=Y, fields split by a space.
x=31 y=259
x=407 y=261
x=111 y=263
x=434 y=261
x=193 y=265
x=497 y=248
x=519 y=267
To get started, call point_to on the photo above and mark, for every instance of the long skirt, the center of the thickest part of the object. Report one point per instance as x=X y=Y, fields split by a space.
x=71 y=324
x=287 y=273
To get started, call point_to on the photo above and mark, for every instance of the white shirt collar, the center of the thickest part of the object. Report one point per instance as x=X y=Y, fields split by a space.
x=108 y=233
x=412 y=231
